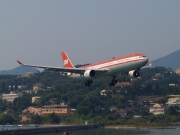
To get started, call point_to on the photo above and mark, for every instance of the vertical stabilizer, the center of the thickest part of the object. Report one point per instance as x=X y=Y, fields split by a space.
x=66 y=60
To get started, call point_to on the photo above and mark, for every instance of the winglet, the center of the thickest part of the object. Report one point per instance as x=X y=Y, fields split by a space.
x=20 y=63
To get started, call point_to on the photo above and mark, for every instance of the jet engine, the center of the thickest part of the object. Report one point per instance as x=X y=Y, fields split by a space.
x=89 y=73
x=134 y=73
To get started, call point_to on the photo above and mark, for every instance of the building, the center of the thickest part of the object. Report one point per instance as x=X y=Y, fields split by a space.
x=157 y=109
x=26 y=117
x=32 y=110
x=57 y=109
x=130 y=102
x=37 y=86
x=29 y=74
x=174 y=96
x=172 y=84
x=157 y=76
x=173 y=101
x=178 y=71
x=29 y=91
x=48 y=109
x=35 y=99
x=10 y=97
x=113 y=108
x=149 y=100
x=27 y=114
x=50 y=88
x=9 y=111
x=19 y=87
x=105 y=92
x=121 y=113
x=123 y=84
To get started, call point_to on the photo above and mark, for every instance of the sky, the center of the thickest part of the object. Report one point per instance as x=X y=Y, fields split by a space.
x=35 y=32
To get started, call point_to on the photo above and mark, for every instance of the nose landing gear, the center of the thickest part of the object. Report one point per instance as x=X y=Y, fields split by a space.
x=88 y=83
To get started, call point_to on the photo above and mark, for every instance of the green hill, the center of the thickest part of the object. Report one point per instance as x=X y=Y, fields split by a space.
x=21 y=70
x=168 y=61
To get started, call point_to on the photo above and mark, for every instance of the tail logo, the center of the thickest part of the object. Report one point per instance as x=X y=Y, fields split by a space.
x=65 y=62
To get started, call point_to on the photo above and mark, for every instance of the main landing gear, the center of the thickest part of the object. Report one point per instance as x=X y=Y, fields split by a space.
x=88 y=83
x=113 y=82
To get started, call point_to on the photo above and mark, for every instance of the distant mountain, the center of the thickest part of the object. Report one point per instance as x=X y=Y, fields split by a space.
x=21 y=70
x=169 y=61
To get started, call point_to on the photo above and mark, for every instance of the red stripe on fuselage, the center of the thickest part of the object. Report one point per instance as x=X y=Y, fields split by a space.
x=112 y=60
x=120 y=64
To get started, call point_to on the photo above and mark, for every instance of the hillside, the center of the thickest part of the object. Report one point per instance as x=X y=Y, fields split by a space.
x=168 y=61
x=21 y=70
x=91 y=104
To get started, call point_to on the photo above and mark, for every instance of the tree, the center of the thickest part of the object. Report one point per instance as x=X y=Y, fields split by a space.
x=6 y=118
x=21 y=103
x=3 y=86
x=11 y=87
x=54 y=118
x=83 y=110
x=16 y=86
x=64 y=98
x=173 y=110
x=36 y=119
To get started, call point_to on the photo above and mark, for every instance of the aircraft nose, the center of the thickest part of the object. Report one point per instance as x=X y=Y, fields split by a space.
x=147 y=59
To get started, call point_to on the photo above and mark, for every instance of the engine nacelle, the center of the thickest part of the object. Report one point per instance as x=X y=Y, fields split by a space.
x=134 y=73
x=89 y=73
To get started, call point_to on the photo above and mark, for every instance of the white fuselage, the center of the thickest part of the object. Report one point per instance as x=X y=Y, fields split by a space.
x=118 y=65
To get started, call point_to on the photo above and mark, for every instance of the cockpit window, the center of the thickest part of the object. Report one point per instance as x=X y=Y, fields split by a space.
x=142 y=56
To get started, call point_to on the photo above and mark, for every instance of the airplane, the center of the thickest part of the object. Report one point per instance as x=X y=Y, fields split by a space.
x=130 y=64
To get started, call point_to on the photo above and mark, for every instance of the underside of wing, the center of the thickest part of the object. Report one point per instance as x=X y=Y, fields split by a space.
x=63 y=69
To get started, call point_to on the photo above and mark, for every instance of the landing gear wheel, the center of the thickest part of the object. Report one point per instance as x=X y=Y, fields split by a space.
x=88 y=83
x=113 y=82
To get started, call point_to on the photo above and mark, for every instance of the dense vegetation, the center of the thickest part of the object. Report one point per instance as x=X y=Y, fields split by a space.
x=89 y=104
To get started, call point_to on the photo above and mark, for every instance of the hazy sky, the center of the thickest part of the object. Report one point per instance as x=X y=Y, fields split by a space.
x=36 y=31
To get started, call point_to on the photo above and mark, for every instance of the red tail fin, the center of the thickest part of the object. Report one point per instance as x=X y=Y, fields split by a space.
x=66 y=60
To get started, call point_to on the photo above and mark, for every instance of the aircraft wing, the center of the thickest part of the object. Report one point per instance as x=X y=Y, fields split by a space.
x=63 y=69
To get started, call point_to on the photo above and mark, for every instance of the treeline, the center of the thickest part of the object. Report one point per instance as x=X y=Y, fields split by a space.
x=89 y=104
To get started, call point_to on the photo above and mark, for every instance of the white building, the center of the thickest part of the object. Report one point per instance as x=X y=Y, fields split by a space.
x=105 y=92
x=10 y=97
x=157 y=109
x=35 y=99
x=19 y=87
x=37 y=86
x=173 y=101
